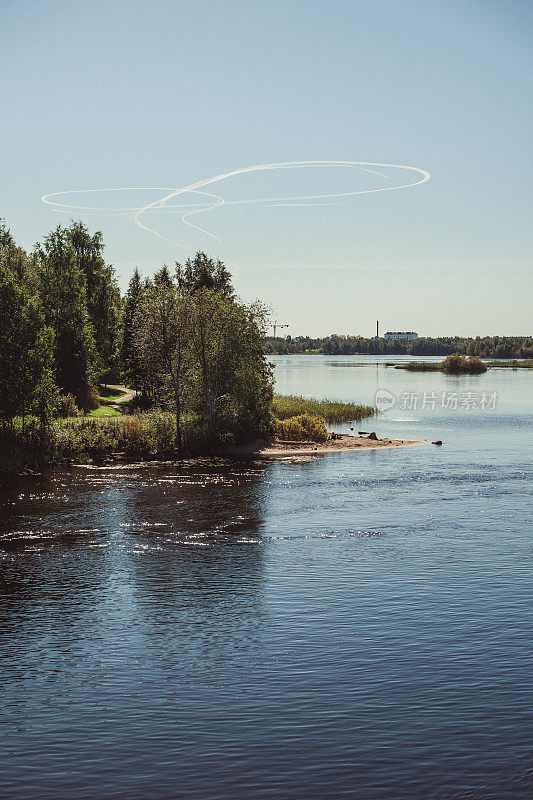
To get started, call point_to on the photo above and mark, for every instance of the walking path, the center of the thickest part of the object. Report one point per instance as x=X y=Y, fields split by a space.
x=128 y=395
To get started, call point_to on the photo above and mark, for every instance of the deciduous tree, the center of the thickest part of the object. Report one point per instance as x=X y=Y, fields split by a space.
x=162 y=340
x=26 y=353
x=233 y=378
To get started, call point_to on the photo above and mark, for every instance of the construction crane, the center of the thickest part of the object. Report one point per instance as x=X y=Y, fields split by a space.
x=277 y=325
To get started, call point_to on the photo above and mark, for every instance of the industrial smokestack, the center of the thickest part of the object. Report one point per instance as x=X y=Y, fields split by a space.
x=377 y=329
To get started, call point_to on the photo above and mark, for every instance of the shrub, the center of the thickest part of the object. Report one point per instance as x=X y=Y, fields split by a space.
x=457 y=364
x=90 y=399
x=141 y=402
x=101 y=441
x=68 y=441
x=238 y=423
x=194 y=431
x=23 y=447
x=420 y=366
x=133 y=436
x=162 y=430
x=66 y=406
x=83 y=437
x=302 y=427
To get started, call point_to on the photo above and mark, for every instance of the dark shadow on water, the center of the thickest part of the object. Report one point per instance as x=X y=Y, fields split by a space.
x=94 y=560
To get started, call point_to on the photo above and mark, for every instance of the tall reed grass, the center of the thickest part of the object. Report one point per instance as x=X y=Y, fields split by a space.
x=302 y=427
x=291 y=405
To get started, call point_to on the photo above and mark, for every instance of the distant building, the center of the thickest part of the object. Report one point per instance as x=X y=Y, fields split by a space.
x=401 y=335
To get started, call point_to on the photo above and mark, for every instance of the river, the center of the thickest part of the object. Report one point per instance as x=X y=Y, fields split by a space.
x=354 y=625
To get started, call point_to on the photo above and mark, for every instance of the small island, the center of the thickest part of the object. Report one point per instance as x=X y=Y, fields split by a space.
x=454 y=364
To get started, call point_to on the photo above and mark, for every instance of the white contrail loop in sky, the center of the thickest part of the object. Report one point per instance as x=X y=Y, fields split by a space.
x=195 y=188
x=200 y=210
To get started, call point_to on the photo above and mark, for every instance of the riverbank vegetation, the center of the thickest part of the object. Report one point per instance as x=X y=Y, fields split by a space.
x=193 y=351
x=286 y=406
x=303 y=427
x=148 y=435
x=105 y=433
x=454 y=364
x=481 y=346
x=419 y=366
x=514 y=364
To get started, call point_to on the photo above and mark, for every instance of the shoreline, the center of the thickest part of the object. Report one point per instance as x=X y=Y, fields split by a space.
x=259 y=449
x=346 y=443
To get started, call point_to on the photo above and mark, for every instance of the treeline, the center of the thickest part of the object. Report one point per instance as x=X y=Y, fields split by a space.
x=182 y=339
x=334 y=345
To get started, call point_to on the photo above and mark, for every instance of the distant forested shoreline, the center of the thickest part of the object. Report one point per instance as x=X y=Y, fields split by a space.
x=339 y=345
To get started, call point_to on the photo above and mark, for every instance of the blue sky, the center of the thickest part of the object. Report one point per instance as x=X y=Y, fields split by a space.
x=114 y=94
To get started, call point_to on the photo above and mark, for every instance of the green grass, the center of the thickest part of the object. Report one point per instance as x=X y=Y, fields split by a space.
x=108 y=394
x=290 y=405
x=104 y=411
x=302 y=428
x=514 y=364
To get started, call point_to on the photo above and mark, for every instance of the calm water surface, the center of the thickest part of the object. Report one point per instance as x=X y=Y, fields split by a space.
x=355 y=625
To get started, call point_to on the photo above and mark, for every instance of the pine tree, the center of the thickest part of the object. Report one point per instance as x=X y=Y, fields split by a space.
x=202 y=272
x=163 y=278
x=128 y=356
x=103 y=295
x=63 y=295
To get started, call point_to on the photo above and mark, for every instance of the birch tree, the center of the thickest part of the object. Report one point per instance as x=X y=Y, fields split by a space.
x=161 y=334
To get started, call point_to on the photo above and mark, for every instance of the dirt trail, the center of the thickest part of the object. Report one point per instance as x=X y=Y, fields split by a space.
x=128 y=395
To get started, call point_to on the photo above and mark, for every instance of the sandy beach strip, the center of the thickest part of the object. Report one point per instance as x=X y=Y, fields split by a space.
x=346 y=443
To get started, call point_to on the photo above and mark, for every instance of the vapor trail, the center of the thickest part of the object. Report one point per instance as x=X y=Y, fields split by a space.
x=195 y=188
